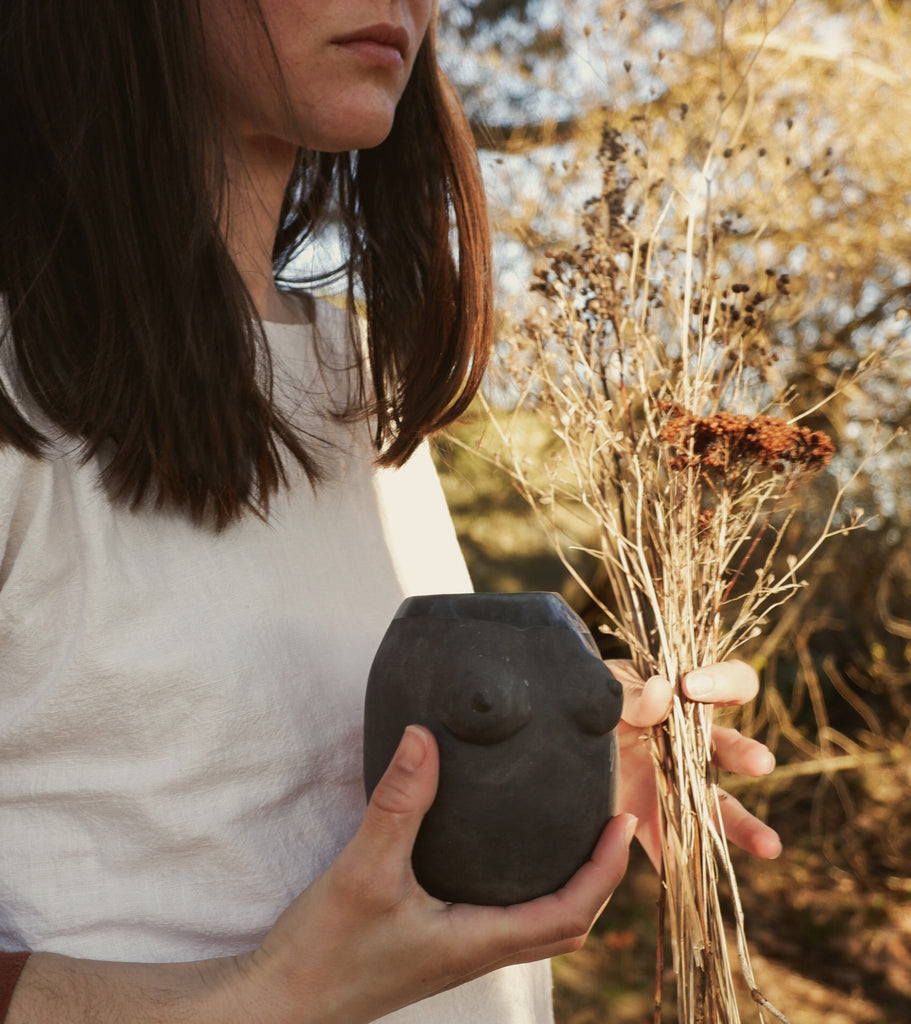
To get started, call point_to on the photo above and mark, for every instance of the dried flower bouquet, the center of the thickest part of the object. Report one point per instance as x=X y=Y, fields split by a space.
x=680 y=462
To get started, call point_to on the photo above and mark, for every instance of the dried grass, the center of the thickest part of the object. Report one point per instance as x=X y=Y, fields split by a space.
x=681 y=460
x=678 y=451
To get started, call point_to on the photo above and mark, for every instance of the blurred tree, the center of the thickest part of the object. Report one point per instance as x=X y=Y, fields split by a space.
x=788 y=118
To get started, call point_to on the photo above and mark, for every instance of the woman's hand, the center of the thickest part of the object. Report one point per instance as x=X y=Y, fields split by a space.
x=361 y=941
x=365 y=938
x=646 y=704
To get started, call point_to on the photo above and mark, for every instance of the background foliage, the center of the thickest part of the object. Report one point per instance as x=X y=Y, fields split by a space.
x=815 y=99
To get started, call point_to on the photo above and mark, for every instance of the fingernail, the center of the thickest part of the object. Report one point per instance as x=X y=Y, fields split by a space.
x=412 y=750
x=699 y=684
x=768 y=762
x=629 y=829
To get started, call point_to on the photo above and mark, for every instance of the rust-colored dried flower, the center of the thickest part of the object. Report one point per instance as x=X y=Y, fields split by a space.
x=726 y=443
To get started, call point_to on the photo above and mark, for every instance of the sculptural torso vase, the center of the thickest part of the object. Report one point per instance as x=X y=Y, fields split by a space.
x=524 y=712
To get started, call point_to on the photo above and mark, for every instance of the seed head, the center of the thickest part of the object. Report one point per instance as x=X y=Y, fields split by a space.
x=726 y=444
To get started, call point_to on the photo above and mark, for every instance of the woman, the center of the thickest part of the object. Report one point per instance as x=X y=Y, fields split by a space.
x=198 y=555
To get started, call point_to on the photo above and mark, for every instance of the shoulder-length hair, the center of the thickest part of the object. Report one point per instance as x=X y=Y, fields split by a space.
x=130 y=325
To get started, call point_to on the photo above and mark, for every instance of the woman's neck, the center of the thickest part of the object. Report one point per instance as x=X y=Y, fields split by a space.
x=258 y=169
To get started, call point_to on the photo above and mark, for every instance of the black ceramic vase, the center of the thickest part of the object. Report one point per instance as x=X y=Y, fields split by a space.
x=524 y=711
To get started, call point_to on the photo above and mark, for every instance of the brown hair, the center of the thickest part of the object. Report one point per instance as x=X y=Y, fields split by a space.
x=128 y=320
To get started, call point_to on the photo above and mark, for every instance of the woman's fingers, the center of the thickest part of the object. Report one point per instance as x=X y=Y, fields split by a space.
x=494 y=937
x=557 y=923
x=400 y=800
x=334 y=941
x=737 y=753
x=468 y=941
x=747 y=831
x=645 y=702
x=729 y=682
x=744 y=756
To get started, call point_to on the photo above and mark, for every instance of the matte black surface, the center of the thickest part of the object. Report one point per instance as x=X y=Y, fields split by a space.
x=524 y=712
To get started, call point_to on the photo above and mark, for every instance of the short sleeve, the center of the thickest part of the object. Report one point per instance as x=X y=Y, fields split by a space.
x=421 y=537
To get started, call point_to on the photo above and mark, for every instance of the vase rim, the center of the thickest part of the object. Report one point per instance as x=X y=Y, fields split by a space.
x=522 y=610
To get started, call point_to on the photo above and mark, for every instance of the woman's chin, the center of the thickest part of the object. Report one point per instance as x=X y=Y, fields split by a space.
x=353 y=141
x=365 y=130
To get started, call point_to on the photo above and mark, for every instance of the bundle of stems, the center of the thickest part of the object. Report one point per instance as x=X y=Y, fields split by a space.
x=682 y=462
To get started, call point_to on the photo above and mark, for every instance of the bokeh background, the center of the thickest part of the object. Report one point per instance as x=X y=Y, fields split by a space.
x=809 y=104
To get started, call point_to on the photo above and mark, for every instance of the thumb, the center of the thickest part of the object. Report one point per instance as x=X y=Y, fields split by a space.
x=403 y=795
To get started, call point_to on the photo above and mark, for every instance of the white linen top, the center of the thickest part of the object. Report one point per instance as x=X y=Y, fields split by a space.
x=180 y=710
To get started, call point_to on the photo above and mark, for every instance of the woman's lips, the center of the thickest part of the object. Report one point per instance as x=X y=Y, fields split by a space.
x=380 y=44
